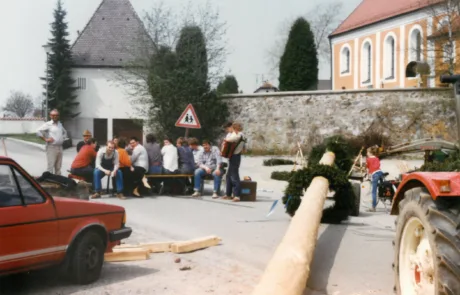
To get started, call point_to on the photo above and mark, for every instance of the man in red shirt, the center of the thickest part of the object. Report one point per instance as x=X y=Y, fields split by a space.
x=373 y=167
x=82 y=164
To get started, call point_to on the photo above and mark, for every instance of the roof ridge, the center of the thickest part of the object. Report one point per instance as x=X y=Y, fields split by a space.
x=354 y=10
x=114 y=29
x=87 y=24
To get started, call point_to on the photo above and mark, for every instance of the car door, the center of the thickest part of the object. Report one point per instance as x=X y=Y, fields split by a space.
x=28 y=225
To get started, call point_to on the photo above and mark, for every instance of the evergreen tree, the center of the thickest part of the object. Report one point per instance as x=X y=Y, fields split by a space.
x=299 y=62
x=228 y=86
x=182 y=78
x=61 y=85
x=166 y=104
x=192 y=62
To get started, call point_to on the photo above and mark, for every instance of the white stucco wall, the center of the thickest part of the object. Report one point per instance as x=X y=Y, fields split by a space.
x=18 y=126
x=103 y=98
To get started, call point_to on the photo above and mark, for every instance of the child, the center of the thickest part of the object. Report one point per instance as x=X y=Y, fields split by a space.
x=373 y=167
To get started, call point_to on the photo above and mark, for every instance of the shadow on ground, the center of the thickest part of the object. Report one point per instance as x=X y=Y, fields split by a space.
x=44 y=281
x=326 y=250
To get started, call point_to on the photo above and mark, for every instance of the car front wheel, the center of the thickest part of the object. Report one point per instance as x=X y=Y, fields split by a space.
x=87 y=259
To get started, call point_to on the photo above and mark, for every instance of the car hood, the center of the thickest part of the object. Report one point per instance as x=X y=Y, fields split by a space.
x=70 y=207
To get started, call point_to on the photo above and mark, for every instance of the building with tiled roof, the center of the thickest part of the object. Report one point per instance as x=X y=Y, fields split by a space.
x=113 y=37
x=378 y=44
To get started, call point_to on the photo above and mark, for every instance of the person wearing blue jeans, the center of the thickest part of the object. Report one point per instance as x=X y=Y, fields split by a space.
x=107 y=164
x=373 y=167
x=235 y=136
x=208 y=164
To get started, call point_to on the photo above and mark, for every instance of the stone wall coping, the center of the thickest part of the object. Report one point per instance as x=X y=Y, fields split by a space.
x=21 y=119
x=334 y=92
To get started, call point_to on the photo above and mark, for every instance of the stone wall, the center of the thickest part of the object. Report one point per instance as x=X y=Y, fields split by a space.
x=276 y=121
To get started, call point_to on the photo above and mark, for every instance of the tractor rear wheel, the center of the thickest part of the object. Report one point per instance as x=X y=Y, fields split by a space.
x=427 y=245
x=357 y=199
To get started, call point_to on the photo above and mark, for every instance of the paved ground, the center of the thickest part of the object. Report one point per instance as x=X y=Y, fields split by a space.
x=353 y=258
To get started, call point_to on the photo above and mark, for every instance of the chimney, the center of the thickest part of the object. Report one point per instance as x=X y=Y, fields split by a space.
x=78 y=32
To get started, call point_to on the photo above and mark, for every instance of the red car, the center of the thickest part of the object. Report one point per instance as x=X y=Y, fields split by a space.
x=38 y=230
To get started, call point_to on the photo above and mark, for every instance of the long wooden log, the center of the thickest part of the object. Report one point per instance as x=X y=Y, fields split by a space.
x=288 y=270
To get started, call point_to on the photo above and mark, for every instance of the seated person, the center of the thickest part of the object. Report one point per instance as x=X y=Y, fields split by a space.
x=196 y=148
x=170 y=163
x=208 y=164
x=81 y=165
x=139 y=166
x=186 y=159
x=154 y=153
x=125 y=164
x=86 y=136
x=155 y=160
x=107 y=164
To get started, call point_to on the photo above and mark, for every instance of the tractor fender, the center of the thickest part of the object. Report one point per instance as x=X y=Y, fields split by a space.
x=432 y=181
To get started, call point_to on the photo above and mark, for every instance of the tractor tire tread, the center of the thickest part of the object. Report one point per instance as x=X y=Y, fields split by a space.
x=440 y=219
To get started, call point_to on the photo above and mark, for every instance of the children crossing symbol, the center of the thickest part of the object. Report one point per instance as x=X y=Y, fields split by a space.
x=188 y=119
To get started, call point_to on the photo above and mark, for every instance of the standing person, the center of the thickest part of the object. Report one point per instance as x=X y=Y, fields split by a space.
x=107 y=164
x=54 y=134
x=170 y=163
x=139 y=165
x=373 y=167
x=233 y=175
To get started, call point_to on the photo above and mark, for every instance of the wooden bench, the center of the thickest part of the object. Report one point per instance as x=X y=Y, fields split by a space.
x=206 y=177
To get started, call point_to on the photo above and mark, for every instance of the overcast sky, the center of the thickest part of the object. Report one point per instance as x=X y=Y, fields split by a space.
x=253 y=27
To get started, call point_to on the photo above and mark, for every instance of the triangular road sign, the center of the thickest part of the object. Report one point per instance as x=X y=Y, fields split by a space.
x=189 y=119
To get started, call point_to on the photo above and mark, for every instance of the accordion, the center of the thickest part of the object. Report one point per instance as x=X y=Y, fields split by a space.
x=228 y=148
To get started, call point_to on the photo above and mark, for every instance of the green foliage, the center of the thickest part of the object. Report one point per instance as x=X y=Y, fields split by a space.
x=179 y=78
x=344 y=152
x=228 y=86
x=276 y=162
x=298 y=68
x=337 y=176
x=61 y=85
x=282 y=175
x=450 y=164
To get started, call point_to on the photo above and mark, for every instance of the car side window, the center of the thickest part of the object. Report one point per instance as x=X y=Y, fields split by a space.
x=9 y=193
x=29 y=192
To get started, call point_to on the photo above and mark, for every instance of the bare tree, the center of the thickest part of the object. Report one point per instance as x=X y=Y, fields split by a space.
x=39 y=102
x=19 y=103
x=323 y=19
x=163 y=26
x=440 y=45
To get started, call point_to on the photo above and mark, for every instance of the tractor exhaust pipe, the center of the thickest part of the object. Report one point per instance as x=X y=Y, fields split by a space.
x=455 y=80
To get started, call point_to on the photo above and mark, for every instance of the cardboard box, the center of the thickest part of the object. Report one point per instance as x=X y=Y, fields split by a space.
x=248 y=191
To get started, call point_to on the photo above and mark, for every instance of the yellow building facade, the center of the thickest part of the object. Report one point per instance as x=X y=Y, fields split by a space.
x=375 y=45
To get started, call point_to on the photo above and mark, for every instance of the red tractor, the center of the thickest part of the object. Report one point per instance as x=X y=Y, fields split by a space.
x=427 y=242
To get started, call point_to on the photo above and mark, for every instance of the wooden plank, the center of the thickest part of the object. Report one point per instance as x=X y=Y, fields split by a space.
x=127 y=255
x=193 y=245
x=156 y=247
x=288 y=270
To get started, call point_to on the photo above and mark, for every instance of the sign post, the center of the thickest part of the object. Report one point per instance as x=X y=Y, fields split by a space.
x=188 y=119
